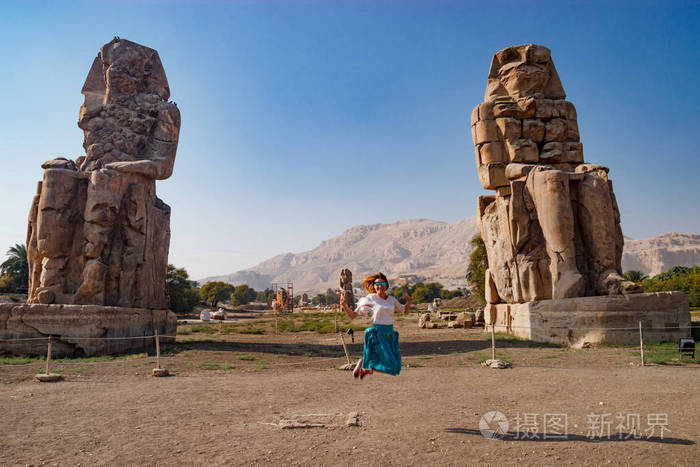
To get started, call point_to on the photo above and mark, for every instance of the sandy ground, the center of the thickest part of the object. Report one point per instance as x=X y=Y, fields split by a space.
x=230 y=393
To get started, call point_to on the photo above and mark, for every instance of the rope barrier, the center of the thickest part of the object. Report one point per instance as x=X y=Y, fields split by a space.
x=508 y=327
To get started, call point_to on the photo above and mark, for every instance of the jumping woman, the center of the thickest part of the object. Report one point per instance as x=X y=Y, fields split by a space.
x=381 y=352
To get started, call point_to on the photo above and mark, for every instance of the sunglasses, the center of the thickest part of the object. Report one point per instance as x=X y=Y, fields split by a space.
x=380 y=284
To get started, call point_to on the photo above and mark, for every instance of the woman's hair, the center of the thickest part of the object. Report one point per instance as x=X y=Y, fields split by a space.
x=368 y=283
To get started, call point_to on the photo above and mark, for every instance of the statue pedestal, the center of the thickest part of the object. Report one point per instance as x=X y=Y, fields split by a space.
x=81 y=329
x=608 y=320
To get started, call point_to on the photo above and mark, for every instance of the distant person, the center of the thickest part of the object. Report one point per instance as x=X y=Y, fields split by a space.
x=381 y=351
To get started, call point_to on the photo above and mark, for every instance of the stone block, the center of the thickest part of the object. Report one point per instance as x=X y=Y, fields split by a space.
x=81 y=329
x=510 y=128
x=570 y=111
x=503 y=191
x=486 y=131
x=522 y=150
x=465 y=319
x=486 y=111
x=573 y=152
x=560 y=109
x=603 y=320
x=544 y=108
x=552 y=152
x=492 y=152
x=533 y=129
x=515 y=171
x=475 y=115
x=555 y=130
x=572 y=131
x=492 y=175
x=514 y=110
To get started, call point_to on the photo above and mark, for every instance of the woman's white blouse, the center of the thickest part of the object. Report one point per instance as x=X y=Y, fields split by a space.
x=381 y=310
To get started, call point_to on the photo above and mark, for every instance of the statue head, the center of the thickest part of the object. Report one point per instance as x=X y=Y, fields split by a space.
x=523 y=71
x=125 y=83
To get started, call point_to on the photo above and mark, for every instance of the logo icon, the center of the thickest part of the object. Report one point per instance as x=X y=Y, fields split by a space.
x=493 y=425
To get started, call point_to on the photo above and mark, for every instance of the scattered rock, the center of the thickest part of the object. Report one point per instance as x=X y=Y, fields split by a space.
x=160 y=372
x=48 y=378
x=423 y=320
x=465 y=319
x=500 y=364
x=353 y=419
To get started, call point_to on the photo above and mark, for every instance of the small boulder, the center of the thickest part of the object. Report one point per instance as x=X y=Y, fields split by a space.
x=498 y=364
x=465 y=319
x=423 y=320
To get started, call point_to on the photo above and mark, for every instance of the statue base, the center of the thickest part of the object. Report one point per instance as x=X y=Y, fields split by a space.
x=603 y=320
x=78 y=330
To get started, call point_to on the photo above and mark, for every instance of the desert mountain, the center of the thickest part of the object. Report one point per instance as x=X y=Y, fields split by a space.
x=657 y=254
x=417 y=249
x=422 y=249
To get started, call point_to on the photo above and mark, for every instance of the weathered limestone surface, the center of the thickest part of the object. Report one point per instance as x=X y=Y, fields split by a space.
x=552 y=229
x=98 y=234
x=596 y=320
x=78 y=329
x=346 y=287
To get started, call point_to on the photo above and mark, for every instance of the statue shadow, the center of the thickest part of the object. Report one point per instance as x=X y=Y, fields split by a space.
x=511 y=437
x=408 y=349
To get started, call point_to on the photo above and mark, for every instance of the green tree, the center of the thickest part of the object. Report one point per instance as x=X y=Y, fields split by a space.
x=402 y=290
x=681 y=278
x=476 y=271
x=16 y=266
x=215 y=292
x=319 y=299
x=264 y=295
x=243 y=295
x=7 y=284
x=634 y=275
x=182 y=292
x=423 y=293
x=332 y=298
x=448 y=294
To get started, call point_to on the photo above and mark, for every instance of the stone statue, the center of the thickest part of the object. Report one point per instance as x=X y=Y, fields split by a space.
x=552 y=230
x=98 y=234
x=346 y=287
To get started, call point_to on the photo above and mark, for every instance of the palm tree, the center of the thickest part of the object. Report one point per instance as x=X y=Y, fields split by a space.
x=634 y=275
x=16 y=265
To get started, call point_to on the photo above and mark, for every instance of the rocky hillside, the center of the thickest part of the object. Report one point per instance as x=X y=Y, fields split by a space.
x=657 y=254
x=426 y=250
x=418 y=249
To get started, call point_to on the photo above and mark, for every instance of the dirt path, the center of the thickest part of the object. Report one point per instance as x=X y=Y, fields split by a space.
x=228 y=396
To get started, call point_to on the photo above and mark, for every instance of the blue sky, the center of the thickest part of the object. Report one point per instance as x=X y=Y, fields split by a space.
x=301 y=119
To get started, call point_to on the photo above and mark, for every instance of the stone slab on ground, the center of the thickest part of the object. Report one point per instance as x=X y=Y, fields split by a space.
x=81 y=329
x=610 y=320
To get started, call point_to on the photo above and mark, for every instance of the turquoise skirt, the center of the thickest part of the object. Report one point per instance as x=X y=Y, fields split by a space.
x=381 y=350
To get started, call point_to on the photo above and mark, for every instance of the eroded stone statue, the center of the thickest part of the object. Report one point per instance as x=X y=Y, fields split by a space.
x=552 y=230
x=98 y=234
x=346 y=287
